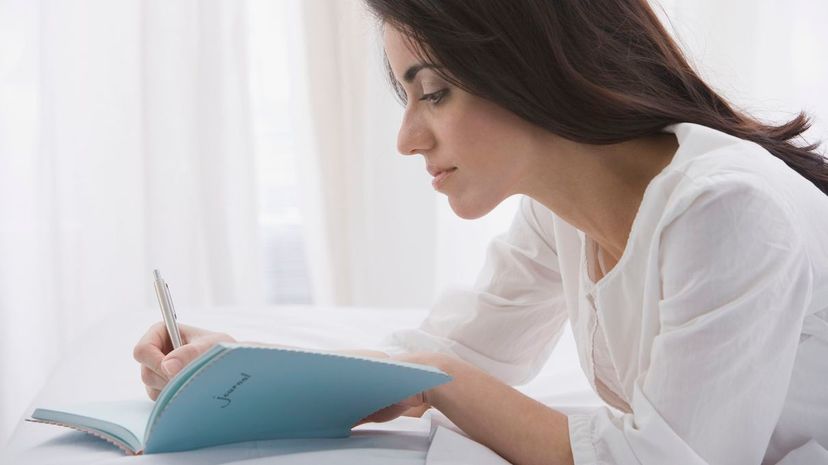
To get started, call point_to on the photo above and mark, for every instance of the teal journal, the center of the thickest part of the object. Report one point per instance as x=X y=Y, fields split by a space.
x=237 y=392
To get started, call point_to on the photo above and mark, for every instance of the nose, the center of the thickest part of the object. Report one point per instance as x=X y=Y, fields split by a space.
x=415 y=136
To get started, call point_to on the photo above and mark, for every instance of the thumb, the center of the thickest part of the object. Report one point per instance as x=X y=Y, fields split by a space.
x=414 y=401
x=180 y=357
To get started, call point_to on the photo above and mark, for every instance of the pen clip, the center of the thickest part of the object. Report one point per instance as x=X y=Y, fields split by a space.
x=170 y=301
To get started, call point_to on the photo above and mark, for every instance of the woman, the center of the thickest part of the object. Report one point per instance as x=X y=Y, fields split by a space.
x=683 y=240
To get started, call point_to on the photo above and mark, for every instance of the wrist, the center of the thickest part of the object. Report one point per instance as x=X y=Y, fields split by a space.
x=448 y=365
x=455 y=368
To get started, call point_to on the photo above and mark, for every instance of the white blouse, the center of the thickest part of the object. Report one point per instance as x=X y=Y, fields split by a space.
x=709 y=336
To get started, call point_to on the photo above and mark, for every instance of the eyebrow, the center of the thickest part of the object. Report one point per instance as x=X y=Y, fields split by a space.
x=412 y=71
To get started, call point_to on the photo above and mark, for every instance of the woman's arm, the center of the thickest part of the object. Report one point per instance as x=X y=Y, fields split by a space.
x=519 y=428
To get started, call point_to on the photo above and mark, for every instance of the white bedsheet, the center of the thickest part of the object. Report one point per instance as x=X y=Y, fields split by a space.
x=102 y=368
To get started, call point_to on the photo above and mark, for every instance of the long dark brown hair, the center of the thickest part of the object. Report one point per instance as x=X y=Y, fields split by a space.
x=596 y=72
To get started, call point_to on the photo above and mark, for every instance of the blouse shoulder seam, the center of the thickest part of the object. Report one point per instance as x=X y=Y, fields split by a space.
x=534 y=224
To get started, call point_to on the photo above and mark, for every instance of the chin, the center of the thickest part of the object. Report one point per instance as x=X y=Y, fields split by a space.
x=470 y=212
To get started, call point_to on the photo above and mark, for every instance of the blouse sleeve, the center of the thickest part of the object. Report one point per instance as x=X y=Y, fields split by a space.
x=508 y=323
x=735 y=286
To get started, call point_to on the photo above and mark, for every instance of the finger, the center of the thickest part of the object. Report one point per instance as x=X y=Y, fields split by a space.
x=384 y=414
x=414 y=401
x=417 y=411
x=152 y=379
x=413 y=406
x=188 y=333
x=152 y=393
x=192 y=333
x=180 y=357
x=151 y=348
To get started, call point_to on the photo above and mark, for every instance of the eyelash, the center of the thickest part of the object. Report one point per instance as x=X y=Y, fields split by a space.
x=435 y=97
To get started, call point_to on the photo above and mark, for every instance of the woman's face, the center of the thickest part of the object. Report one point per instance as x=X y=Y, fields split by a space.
x=485 y=148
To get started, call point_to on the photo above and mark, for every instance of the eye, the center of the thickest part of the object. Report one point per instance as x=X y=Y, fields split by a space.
x=435 y=97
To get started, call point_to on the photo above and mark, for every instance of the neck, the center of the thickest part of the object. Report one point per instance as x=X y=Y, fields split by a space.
x=598 y=188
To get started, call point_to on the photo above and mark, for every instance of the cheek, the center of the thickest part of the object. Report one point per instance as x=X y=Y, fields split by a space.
x=483 y=127
x=484 y=131
x=483 y=145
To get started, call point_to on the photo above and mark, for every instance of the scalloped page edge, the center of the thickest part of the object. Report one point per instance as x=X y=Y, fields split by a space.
x=94 y=432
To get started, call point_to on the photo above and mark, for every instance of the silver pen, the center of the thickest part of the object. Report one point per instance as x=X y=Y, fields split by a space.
x=167 y=309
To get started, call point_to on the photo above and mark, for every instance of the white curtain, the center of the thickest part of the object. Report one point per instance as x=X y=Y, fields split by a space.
x=768 y=57
x=374 y=240
x=381 y=235
x=124 y=146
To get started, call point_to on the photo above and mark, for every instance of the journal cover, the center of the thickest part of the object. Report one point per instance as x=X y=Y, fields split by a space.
x=237 y=392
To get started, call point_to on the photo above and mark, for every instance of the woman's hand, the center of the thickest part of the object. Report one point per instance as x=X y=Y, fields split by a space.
x=515 y=426
x=414 y=406
x=159 y=362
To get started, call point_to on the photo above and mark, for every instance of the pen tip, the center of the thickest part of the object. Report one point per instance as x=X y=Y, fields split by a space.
x=157 y=274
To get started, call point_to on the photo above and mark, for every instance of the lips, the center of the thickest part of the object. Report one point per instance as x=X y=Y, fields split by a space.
x=440 y=177
x=434 y=171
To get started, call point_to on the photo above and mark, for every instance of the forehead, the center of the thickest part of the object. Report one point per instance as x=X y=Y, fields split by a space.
x=399 y=50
